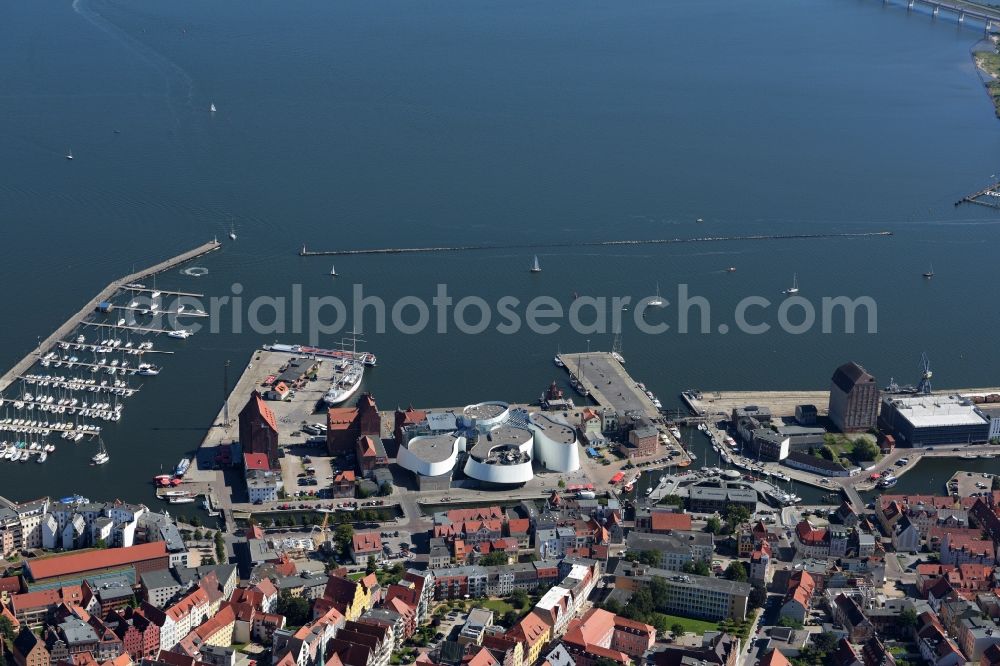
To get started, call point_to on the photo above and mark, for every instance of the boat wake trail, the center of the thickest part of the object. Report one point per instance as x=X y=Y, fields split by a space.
x=178 y=82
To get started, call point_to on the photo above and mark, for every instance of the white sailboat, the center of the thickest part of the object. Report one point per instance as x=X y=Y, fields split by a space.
x=69 y=155
x=535 y=268
x=930 y=273
x=101 y=456
x=333 y=271
x=211 y=107
x=232 y=227
x=656 y=301
x=794 y=289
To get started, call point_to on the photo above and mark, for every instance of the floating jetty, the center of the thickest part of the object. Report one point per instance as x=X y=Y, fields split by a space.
x=43 y=396
x=609 y=243
x=22 y=366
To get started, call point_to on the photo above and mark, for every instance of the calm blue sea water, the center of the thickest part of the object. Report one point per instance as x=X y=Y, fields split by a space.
x=346 y=125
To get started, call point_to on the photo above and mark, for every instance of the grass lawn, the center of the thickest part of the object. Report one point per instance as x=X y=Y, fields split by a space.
x=691 y=625
x=357 y=575
x=498 y=606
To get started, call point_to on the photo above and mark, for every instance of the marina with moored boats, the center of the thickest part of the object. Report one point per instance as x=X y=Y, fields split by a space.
x=71 y=383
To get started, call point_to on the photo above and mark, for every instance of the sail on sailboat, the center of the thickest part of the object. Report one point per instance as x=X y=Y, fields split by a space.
x=101 y=456
x=535 y=267
x=656 y=301
x=929 y=273
x=232 y=230
x=333 y=271
x=794 y=289
x=211 y=107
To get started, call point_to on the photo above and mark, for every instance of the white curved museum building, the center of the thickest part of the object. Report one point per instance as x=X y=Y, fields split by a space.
x=502 y=444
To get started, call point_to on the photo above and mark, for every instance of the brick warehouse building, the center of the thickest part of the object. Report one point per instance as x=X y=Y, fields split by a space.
x=345 y=425
x=94 y=565
x=854 y=399
x=259 y=429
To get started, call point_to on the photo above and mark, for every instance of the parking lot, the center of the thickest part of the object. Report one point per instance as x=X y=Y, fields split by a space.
x=392 y=545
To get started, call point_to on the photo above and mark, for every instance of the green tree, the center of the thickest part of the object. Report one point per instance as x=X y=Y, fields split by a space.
x=677 y=629
x=385 y=489
x=649 y=557
x=220 y=548
x=494 y=559
x=660 y=623
x=198 y=535
x=371 y=566
x=908 y=618
x=562 y=483
x=6 y=630
x=736 y=515
x=714 y=525
x=786 y=621
x=295 y=609
x=100 y=543
x=864 y=449
x=612 y=606
x=827 y=453
x=737 y=571
x=519 y=598
x=343 y=536
x=195 y=521
x=701 y=568
x=673 y=500
x=510 y=618
x=642 y=601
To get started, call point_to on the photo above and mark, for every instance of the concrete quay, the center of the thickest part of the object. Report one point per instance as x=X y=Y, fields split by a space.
x=783 y=403
x=22 y=366
x=609 y=383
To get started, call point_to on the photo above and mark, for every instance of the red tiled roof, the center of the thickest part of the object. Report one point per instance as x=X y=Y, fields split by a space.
x=341 y=418
x=591 y=629
x=367 y=542
x=257 y=403
x=69 y=594
x=256 y=461
x=518 y=526
x=774 y=658
x=367 y=446
x=65 y=565
x=808 y=534
x=217 y=622
x=183 y=607
x=483 y=658
x=972 y=546
x=481 y=513
x=347 y=476
x=531 y=628
x=608 y=653
x=667 y=520
x=801 y=587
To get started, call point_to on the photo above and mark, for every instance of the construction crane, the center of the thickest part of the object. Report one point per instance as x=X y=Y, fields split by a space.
x=924 y=386
x=321 y=528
